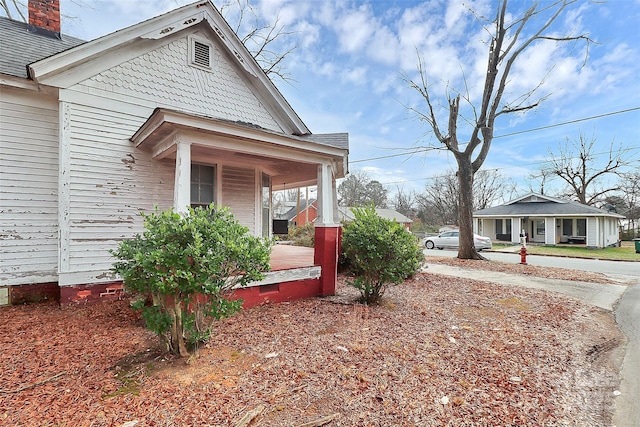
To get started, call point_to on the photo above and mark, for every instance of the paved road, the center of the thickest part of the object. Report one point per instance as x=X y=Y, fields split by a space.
x=594 y=265
x=624 y=301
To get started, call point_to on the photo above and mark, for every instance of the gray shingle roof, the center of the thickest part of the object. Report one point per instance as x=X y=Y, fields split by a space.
x=20 y=47
x=347 y=215
x=339 y=140
x=568 y=208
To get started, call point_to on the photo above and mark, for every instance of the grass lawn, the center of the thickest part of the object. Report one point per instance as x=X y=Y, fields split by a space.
x=626 y=252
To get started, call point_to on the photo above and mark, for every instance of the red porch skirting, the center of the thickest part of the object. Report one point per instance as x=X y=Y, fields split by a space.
x=277 y=292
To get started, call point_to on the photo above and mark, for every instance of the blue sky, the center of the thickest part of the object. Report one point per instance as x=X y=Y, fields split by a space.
x=351 y=56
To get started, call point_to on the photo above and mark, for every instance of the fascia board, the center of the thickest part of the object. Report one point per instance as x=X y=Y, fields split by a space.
x=165 y=25
x=17 y=82
x=550 y=215
x=159 y=117
x=44 y=71
x=539 y=196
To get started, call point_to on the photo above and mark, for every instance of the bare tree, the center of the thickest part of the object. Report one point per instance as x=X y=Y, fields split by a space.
x=582 y=170
x=404 y=202
x=265 y=40
x=441 y=194
x=16 y=6
x=359 y=190
x=630 y=186
x=508 y=40
x=439 y=200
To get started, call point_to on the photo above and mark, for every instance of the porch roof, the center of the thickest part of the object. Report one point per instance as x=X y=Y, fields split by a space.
x=544 y=209
x=289 y=159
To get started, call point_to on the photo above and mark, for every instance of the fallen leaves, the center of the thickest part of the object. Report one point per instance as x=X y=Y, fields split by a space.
x=439 y=351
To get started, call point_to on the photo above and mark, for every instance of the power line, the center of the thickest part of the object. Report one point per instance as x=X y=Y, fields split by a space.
x=569 y=122
x=538 y=162
x=421 y=150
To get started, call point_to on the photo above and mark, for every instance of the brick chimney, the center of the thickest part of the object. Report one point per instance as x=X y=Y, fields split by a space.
x=44 y=17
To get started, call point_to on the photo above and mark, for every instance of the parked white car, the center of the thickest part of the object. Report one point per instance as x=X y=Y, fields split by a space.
x=450 y=239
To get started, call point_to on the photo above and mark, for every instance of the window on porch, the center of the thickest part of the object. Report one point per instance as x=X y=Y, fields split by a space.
x=202 y=185
x=581 y=226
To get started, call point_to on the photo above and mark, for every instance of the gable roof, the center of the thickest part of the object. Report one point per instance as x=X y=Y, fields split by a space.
x=76 y=61
x=538 y=205
x=19 y=47
x=293 y=212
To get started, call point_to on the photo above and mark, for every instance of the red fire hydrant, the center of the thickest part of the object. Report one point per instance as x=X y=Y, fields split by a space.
x=523 y=255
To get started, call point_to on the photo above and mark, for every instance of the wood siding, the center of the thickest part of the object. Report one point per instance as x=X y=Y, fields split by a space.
x=164 y=78
x=73 y=184
x=239 y=194
x=105 y=184
x=28 y=187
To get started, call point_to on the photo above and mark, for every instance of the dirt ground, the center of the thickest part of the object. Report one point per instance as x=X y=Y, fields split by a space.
x=439 y=351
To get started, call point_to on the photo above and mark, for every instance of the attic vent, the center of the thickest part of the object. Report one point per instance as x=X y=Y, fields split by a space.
x=200 y=54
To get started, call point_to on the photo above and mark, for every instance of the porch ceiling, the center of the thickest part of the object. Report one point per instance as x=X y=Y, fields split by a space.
x=289 y=160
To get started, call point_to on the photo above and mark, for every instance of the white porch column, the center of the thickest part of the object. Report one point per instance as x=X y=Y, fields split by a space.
x=327 y=197
x=550 y=231
x=182 y=186
x=516 y=229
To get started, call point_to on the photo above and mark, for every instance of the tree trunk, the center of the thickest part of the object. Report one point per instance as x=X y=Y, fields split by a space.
x=179 y=338
x=466 y=248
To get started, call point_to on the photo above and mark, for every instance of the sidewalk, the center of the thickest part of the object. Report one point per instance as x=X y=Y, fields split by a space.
x=603 y=296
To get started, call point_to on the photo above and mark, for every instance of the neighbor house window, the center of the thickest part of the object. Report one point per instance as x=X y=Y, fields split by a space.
x=498 y=226
x=581 y=226
x=540 y=226
x=567 y=227
x=202 y=185
x=508 y=224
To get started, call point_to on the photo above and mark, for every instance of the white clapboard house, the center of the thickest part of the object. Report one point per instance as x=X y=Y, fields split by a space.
x=550 y=221
x=173 y=111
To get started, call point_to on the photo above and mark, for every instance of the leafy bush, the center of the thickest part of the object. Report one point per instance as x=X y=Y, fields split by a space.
x=303 y=235
x=187 y=264
x=380 y=253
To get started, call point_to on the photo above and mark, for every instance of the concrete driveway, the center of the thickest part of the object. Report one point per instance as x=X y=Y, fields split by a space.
x=624 y=301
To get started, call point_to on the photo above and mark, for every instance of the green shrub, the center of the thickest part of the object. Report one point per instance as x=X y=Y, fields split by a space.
x=187 y=264
x=380 y=253
x=303 y=235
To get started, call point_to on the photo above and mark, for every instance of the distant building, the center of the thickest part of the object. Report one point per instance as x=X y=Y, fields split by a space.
x=550 y=221
x=307 y=213
x=346 y=215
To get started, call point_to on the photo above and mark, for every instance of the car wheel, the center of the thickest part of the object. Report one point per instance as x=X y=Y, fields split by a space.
x=429 y=244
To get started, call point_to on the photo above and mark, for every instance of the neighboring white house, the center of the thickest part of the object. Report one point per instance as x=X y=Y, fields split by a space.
x=548 y=220
x=173 y=111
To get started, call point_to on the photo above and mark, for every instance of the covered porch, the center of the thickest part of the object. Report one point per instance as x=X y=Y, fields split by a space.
x=237 y=165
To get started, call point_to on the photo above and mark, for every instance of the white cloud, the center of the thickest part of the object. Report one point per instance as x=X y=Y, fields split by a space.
x=354 y=28
x=355 y=75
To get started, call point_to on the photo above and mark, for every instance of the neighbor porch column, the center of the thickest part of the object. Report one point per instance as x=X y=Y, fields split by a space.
x=327 y=230
x=182 y=186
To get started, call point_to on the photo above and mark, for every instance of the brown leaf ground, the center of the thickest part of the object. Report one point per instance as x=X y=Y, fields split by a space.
x=439 y=351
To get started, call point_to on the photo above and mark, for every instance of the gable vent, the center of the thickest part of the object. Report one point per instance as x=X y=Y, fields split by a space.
x=201 y=54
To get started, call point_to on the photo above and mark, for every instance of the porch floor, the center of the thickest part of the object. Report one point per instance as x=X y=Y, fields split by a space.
x=286 y=257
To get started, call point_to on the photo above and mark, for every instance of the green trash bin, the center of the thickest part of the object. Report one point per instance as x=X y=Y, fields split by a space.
x=637 y=242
